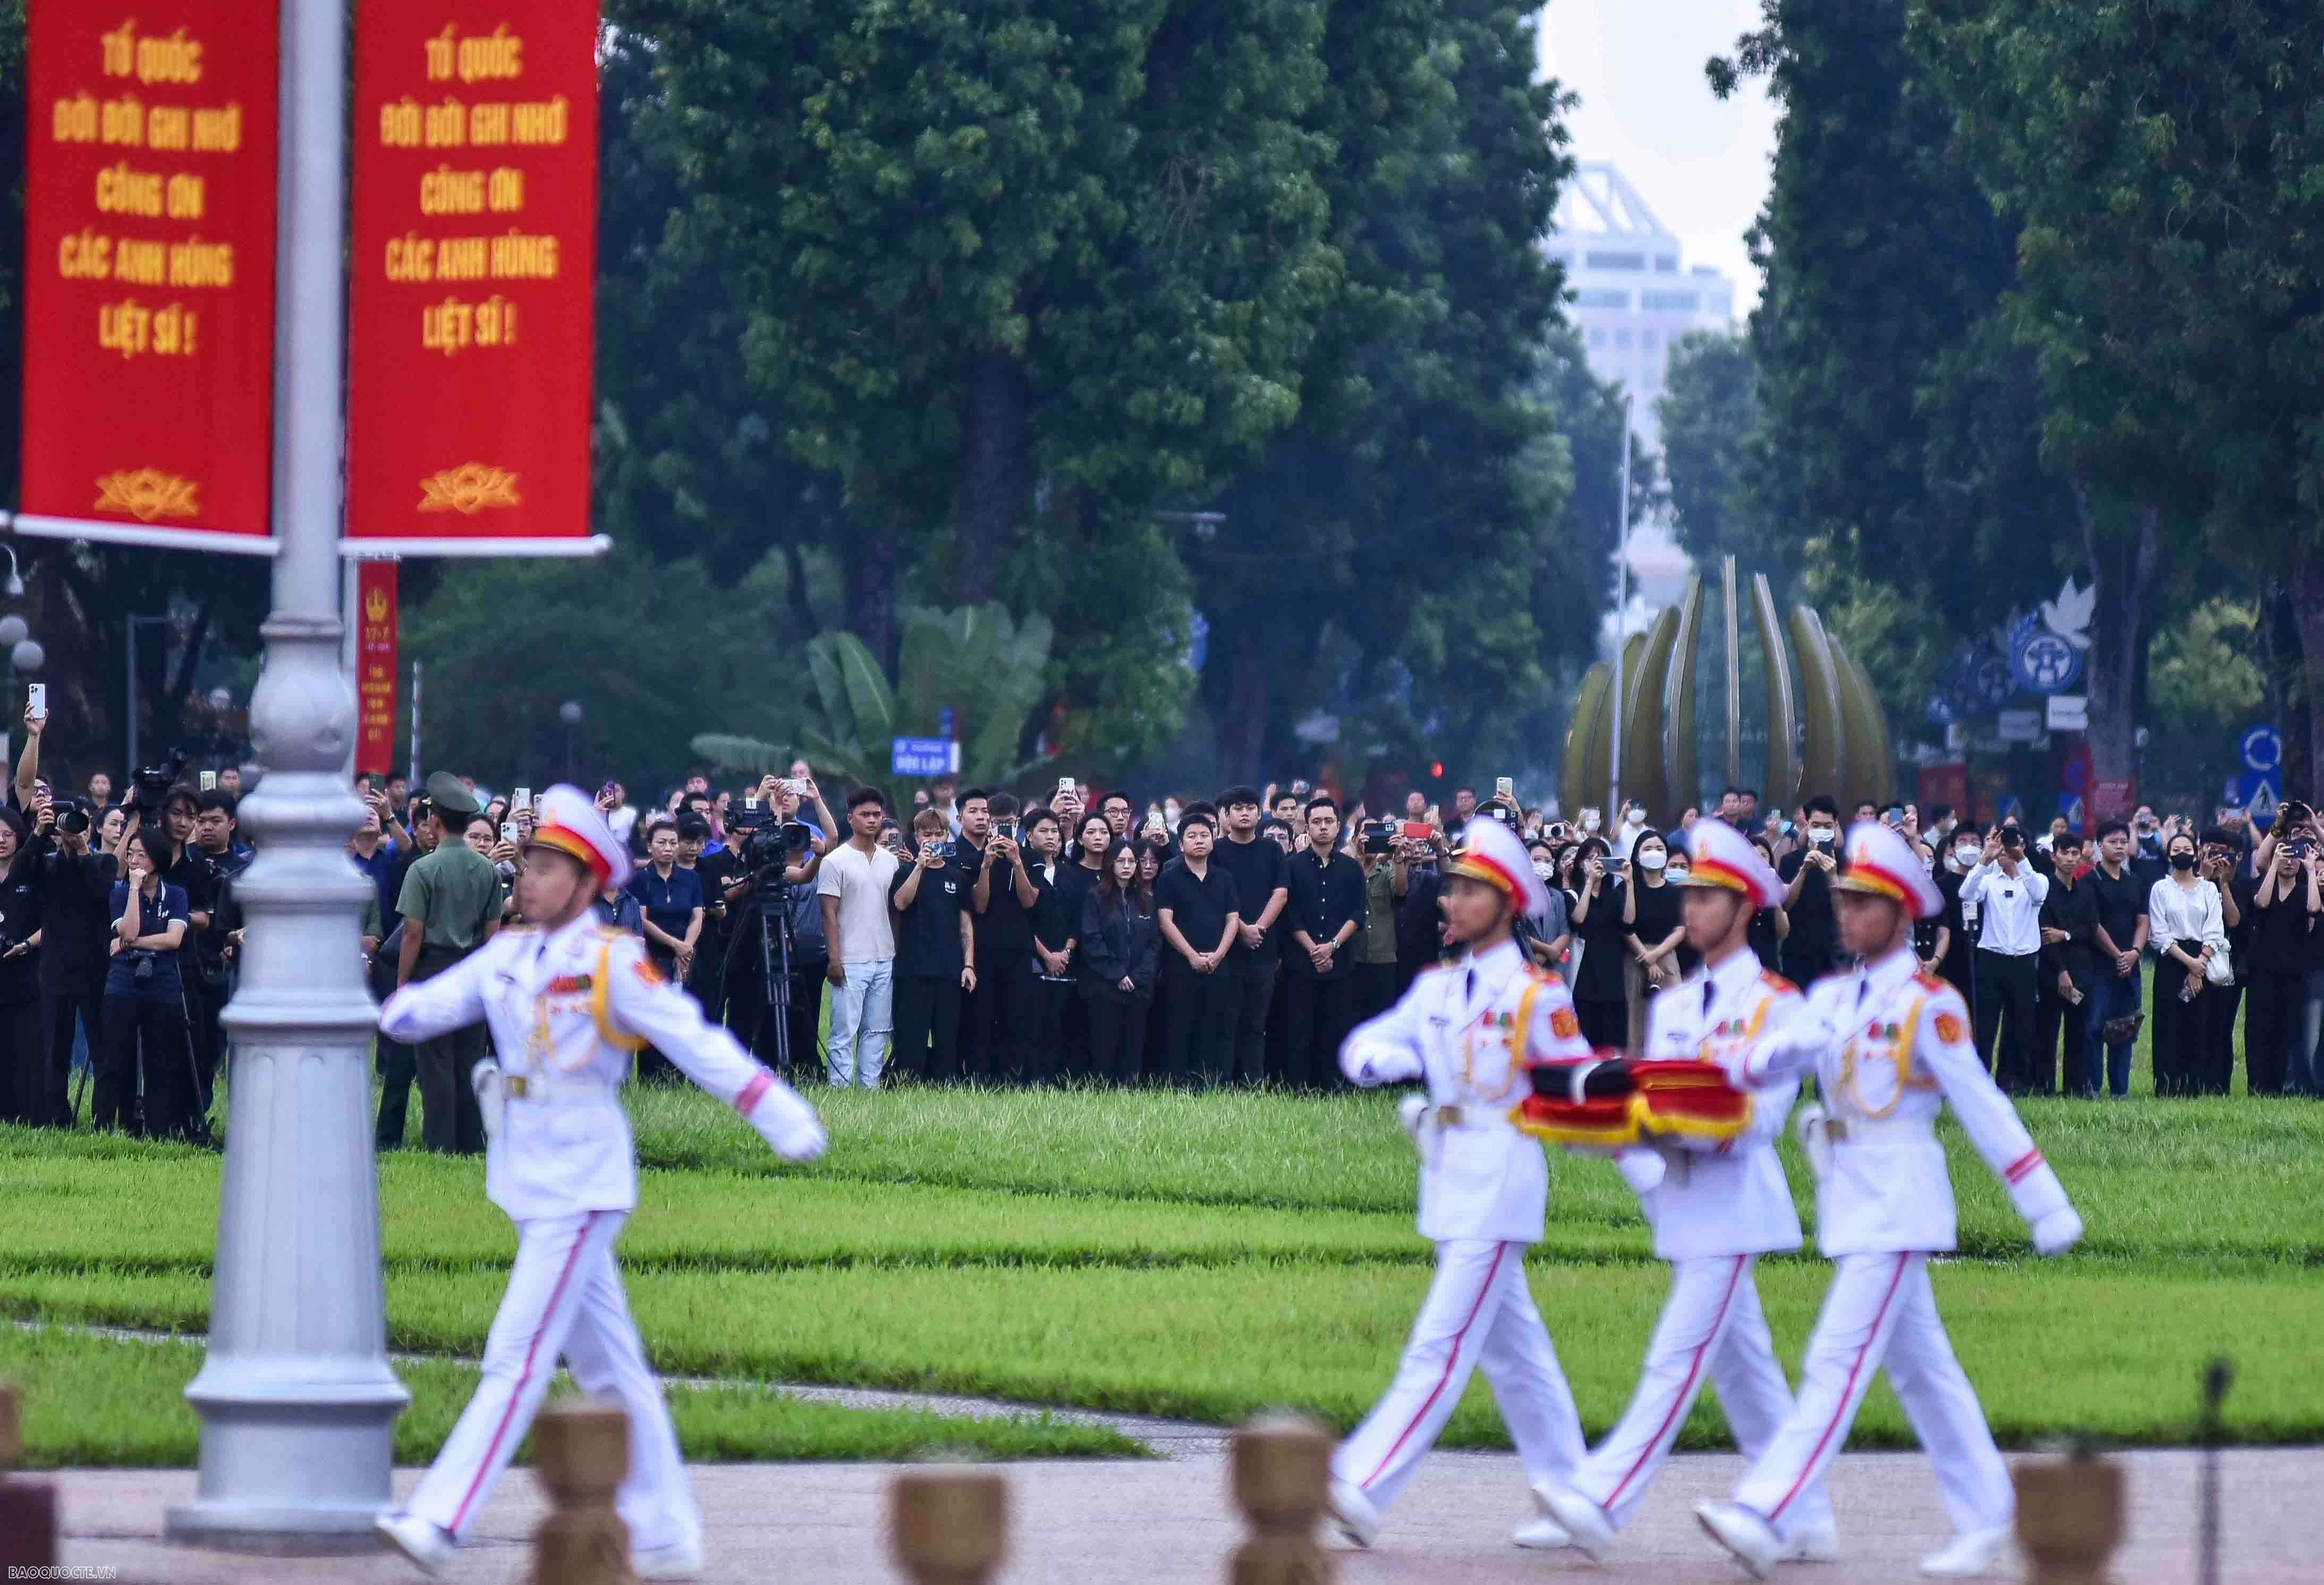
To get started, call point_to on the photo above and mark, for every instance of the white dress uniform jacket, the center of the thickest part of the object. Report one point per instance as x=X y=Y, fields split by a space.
x=1726 y=1197
x=1469 y=1031
x=567 y=1010
x=1890 y=1045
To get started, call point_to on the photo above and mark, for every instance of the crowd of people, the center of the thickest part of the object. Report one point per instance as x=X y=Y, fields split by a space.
x=971 y=935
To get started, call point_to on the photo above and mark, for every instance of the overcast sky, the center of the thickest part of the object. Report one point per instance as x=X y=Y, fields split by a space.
x=1701 y=165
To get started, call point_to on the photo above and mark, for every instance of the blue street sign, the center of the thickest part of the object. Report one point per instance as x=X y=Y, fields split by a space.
x=2040 y=660
x=926 y=756
x=2248 y=785
x=2261 y=747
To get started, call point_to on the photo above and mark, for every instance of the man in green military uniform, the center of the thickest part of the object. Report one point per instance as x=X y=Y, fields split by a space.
x=451 y=905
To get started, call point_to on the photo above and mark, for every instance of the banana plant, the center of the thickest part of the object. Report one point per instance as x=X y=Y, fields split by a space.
x=978 y=660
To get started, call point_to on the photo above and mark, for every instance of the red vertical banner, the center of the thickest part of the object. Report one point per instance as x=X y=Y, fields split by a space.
x=375 y=610
x=472 y=330
x=149 y=272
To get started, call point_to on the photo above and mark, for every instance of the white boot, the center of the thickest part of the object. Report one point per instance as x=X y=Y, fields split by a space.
x=1354 y=1512
x=681 y=1560
x=1747 y=1537
x=1584 y=1521
x=427 y=1544
x=1544 y=1533
x=1815 y=1543
x=1971 y=1553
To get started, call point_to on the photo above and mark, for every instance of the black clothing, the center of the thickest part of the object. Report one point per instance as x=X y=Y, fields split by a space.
x=1250 y=1000
x=2120 y=904
x=1005 y=925
x=1956 y=969
x=2075 y=910
x=61 y=1011
x=2006 y=984
x=1195 y=1033
x=1075 y=883
x=2274 y=1023
x=2055 y=1017
x=1117 y=1036
x=76 y=919
x=1056 y=912
x=1811 y=950
x=1118 y=940
x=2279 y=931
x=20 y=921
x=928 y=1024
x=928 y=930
x=1603 y=948
x=1327 y=896
x=1259 y=869
x=1765 y=944
x=1318 y=1011
x=1197 y=905
x=2177 y=1032
x=1658 y=916
x=148 y=1031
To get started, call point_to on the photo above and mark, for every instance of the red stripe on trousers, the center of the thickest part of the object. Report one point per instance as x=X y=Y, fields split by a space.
x=1693 y=1369
x=531 y=1356
x=2021 y=1166
x=1451 y=1359
x=1847 y=1392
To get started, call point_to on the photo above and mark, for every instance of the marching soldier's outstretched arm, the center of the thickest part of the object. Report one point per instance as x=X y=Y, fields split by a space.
x=453 y=999
x=1385 y=1050
x=1942 y=1043
x=1784 y=1053
x=645 y=1006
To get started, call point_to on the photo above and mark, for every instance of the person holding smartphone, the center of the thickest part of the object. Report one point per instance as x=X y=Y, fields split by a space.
x=1003 y=897
x=144 y=1016
x=1600 y=993
x=1811 y=951
x=936 y=953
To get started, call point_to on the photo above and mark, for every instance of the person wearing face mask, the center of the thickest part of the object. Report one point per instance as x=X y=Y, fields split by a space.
x=2069 y=967
x=2184 y=916
x=1633 y=826
x=1600 y=987
x=1957 y=854
x=1548 y=933
x=1808 y=872
x=1593 y=822
x=1653 y=934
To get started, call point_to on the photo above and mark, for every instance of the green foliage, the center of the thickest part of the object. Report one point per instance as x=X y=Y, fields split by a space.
x=1710 y=408
x=2204 y=689
x=649 y=651
x=987 y=667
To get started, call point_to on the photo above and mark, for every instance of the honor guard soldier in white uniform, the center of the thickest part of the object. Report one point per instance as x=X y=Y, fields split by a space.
x=569 y=1002
x=1470 y=1030
x=1716 y=1206
x=1890 y=1045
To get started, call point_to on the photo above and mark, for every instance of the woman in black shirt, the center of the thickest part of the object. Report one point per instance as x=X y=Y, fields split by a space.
x=1655 y=937
x=1597 y=908
x=23 y=1054
x=1768 y=926
x=1120 y=953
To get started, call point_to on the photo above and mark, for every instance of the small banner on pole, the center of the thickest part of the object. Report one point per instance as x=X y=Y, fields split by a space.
x=149 y=273
x=375 y=610
x=472 y=327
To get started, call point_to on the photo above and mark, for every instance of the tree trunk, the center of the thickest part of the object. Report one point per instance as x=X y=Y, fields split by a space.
x=994 y=486
x=2304 y=777
x=1242 y=727
x=872 y=596
x=2124 y=569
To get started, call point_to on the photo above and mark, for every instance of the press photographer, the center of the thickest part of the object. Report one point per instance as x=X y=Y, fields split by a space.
x=774 y=929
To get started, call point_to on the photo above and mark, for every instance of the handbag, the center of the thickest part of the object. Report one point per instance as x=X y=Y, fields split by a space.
x=2221 y=969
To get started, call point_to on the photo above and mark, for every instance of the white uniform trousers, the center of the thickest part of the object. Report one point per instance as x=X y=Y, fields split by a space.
x=1879 y=1312
x=564 y=1297
x=1711 y=1326
x=1478 y=1314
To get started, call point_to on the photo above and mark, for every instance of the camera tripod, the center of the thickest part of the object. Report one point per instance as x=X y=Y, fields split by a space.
x=771 y=901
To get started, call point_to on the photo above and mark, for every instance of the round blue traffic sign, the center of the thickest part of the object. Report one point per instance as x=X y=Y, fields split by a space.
x=2262 y=749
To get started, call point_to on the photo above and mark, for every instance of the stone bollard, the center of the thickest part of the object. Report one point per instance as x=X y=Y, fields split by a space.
x=949 y=1526
x=28 y=1509
x=581 y=1453
x=2069 y=1516
x=1280 y=1472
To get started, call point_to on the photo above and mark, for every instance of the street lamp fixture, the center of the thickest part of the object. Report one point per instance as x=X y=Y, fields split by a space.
x=15 y=578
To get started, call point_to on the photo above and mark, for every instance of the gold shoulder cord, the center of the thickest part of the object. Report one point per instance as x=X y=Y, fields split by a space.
x=601 y=1004
x=1903 y=1058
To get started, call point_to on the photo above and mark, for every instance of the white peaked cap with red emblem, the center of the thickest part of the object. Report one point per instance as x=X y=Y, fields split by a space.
x=571 y=825
x=1491 y=852
x=1882 y=862
x=1724 y=857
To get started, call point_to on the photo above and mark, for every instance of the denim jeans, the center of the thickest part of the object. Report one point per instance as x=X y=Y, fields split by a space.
x=862 y=1017
x=2304 y=1074
x=2110 y=998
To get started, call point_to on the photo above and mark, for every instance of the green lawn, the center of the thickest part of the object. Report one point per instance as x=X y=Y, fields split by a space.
x=1205 y=1257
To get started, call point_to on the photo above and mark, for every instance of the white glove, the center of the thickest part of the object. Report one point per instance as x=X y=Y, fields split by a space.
x=1410 y=1113
x=2057 y=1231
x=1643 y=1170
x=492 y=1096
x=1815 y=1139
x=789 y=1123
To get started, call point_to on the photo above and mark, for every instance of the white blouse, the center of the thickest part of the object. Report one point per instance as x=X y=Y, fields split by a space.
x=2177 y=912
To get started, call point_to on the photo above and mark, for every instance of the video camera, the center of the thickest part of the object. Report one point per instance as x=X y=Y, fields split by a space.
x=756 y=825
x=149 y=788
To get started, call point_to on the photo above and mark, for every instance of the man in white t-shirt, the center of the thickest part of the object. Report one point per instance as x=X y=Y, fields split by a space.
x=861 y=935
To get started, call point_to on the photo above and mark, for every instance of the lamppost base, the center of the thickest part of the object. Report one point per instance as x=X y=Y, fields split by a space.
x=303 y=1445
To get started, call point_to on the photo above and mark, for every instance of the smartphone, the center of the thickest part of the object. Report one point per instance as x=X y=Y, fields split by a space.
x=1065 y=784
x=1418 y=830
x=508 y=831
x=523 y=796
x=1505 y=786
x=210 y=781
x=36 y=695
x=1435 y=815
x=1006 y=830
x=608 y=790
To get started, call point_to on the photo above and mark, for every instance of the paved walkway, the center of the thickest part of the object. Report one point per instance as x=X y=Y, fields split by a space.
x=1169 y=1524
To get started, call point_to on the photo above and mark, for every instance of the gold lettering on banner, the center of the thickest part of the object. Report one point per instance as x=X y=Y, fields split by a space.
x=448 y=125
x=169 y=126
x=84 y=256
x=468 y=489
x=399 y=123
x=120 y=190
x=218 y=131
x=488 y=125
x=195 y=263
x=141 y=264
x=77 y=120
x=148 y=495
x=447 y=191
x=545 y=122
x=507 y=192
x=121 y=123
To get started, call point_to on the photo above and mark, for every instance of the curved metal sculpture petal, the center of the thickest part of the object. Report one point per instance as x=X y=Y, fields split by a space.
x=1783 y=771
x=1642 y=738
x=1678 y=701
x=1824 y=763
x=1585 y=742
x=1871 y=762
